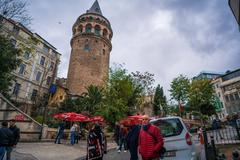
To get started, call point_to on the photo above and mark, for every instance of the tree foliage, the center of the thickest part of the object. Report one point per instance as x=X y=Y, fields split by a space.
x=145 y=80
x=180 y=89
x=201 y=96
x=9 y=61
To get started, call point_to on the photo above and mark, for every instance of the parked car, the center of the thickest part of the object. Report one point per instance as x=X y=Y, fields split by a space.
x=178 y=141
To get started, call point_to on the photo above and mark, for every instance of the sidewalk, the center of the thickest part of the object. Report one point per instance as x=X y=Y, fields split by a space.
x=50 y=151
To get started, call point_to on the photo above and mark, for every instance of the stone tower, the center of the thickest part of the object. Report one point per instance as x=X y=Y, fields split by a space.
x=91 y=47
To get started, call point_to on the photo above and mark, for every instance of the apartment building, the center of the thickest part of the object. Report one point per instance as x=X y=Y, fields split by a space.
x=38 y=69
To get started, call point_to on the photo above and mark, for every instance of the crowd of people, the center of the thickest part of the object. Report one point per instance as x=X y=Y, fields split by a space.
x=9 y=137
x=144 y=139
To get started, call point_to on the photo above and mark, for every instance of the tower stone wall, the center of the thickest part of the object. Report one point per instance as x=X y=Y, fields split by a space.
x=91 y=47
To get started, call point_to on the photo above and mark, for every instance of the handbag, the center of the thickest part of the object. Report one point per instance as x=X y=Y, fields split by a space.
x=163 y=150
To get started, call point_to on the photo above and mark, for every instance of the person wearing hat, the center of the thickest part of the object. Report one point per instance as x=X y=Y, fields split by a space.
x=150 y=140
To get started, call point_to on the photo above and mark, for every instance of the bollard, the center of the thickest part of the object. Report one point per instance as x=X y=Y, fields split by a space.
x=205 y=143
x=235 y=155
x=237 y=129
x=213 y=147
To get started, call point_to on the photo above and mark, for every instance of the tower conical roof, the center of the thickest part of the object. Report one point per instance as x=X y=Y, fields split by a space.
x=95 y=8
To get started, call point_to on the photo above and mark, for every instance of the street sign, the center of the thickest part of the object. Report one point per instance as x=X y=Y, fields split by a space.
x=235 y=7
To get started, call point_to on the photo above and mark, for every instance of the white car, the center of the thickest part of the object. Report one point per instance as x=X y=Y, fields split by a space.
x=178 y=141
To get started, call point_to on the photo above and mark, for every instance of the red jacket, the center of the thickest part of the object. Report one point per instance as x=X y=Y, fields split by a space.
x=148 y=146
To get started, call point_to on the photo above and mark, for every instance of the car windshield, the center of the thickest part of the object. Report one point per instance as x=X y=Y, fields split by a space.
x=169 y=127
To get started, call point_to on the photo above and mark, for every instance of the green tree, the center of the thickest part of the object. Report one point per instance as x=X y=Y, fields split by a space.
x=9 y=61
x=121 y=96
x=92 y=98
x=159 y=101
x=180 y=89
x=201 y=97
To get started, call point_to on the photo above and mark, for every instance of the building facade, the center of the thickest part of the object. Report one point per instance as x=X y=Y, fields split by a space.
x=39 y=64
x=91 y=47
x=207 y=75
x=230 y=87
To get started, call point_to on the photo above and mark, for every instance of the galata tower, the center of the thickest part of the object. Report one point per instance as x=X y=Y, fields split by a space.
x=91 y=47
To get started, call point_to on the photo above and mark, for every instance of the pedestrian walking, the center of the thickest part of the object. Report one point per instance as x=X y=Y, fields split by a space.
x=73 y=131
x=122 y=138
x=60 y=133
x=216 y=125
x=150 y=140
x=16 y=136
x=132 y=141
x=96 y=144
x=77 y=134
x=6 y=139
x=116 y=134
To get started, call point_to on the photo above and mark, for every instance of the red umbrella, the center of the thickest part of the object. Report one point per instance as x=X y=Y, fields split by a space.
x=71 y=116
x=64 y=115
x=78 y=118
x=98 y=119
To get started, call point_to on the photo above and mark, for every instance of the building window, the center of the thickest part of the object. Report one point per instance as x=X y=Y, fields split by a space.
x=88 y=28
x=38 y=76
x=34 y=95
x=87 y=48
x=48 y=80
x=14 y=42
x=21 y=69
x=51 y=66
x=26 y=55
x=231 y=97
x=236 y=96
x=16 y=89
x=97 y=30
x=42 y=61
x=15 y=29
x=103 y=51
x=227 y=99
x=45 y=49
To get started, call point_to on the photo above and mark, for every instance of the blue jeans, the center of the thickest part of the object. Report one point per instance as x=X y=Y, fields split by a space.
x=2 y=152
x=9 y=150
x=72 y=138
x=59 y=136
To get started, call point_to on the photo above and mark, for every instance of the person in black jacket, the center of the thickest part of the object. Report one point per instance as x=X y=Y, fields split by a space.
x=16 y=135
x=6 y=139
x=132 y=141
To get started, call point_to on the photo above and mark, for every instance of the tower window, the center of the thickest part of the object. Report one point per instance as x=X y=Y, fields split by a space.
x=87 y=48
x=103 y=51
x=105 y=32
x=97 y=30
x=88 y=28
x=74 y=30
x=80 y=28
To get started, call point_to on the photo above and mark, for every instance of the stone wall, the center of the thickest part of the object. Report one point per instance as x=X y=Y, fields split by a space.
x=30 y=129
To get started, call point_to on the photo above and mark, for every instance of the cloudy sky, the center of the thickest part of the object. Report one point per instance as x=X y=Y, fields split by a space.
x=163 y=37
